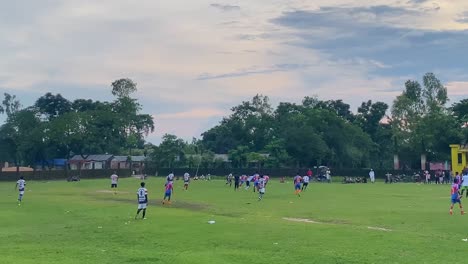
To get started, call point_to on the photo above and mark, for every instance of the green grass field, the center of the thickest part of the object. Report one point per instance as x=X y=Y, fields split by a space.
x=81 y=222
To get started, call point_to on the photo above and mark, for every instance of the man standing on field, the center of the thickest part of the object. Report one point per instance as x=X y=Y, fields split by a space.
x=236 y=182
x=372 y=175
x=142 y=197
x=114 y=181
x=20 y=184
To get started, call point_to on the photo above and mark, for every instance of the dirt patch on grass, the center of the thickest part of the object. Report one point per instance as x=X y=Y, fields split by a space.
x=301 y=220
x=333 y=222
x=379 y=228
x=189 y=205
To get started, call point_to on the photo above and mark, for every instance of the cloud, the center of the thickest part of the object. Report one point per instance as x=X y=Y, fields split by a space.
x=253 y=70
x=226 y=8
x=463 y=18
x=374 y=33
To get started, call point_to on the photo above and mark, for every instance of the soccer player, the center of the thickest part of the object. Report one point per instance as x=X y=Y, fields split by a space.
x=455 y=196
x=229 y=180
x=255 y=180
x=297 y=185
x=114 y=181
x=372 y=175
x=170 y=178
x=458 y=178
x=20 y=184
x=247 y=183
x=236 y=182
x=261 y=187
x=243 y=179
x=267 y=179
x=305 y=183
x=168 y=193
x=186 y=180
x=142 y=196
x=465 y=185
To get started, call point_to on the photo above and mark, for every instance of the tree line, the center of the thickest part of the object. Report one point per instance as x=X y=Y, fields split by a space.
x=55 y=127
x=255 y=134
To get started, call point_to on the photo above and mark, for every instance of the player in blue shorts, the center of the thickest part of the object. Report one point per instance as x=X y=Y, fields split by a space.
x=455 y=197
x=297 y=185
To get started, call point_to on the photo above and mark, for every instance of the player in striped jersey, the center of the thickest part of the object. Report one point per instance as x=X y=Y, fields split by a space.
x=186 y=180
x=261 y=187
x=142 y=196
x=20 y=184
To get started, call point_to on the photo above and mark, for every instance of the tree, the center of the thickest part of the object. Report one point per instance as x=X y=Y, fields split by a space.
x=10 y=104
x=409 y=110
x=123 y=87
x=52 y=106
x=170 y=151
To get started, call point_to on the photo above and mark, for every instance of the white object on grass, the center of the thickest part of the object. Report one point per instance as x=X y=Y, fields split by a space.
x=211 y=222
x=465 y=239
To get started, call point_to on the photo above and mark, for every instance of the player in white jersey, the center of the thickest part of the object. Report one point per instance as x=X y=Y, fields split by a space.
x=305 y=182
x=142 y=197
x=261 y=187
x=114 y=181
x=20 y=184
x=186 y=180
x=170 y=178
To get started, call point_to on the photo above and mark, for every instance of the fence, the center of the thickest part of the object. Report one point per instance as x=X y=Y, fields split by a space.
x=62 y=174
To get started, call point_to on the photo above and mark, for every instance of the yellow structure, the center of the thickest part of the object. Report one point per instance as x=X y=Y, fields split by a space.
x=459 y=157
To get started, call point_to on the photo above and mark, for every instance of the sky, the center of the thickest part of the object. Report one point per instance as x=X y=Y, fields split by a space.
x=194 y=60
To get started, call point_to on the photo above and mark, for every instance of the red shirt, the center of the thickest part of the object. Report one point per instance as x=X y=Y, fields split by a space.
x=309 y=173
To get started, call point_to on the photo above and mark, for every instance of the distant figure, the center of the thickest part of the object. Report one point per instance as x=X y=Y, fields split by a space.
x=186 y=180
x=261 y=187
x=464 y=185
x=389 y=177
x=428 y=177
x=208 y=177
x=236 y=182
x=168 y=193
x=170 y=178
x=455 y=197
x=372 y=175
x=229 y=180
x=114 y=181
x=267 y=179
x=142 y=197
x=309 y=173
x=305 y=182
x=328 y=174
x=20 y=184
x=297 y=185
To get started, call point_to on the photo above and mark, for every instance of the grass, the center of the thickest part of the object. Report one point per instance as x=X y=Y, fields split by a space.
x=78 y=222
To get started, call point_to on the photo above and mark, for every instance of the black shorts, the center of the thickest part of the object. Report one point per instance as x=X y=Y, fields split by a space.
x=114 y=185
x=305 y=184
x=247 y=183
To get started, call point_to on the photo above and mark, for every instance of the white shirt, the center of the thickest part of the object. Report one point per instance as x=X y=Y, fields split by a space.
x=142 y=192
x=114 y=178
x=250 y=178
x=186 y=177
x=170 y=177
x=306 y=179
x=21 y=184
x=261 y=183
x=465 y=180
x=372 y=174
